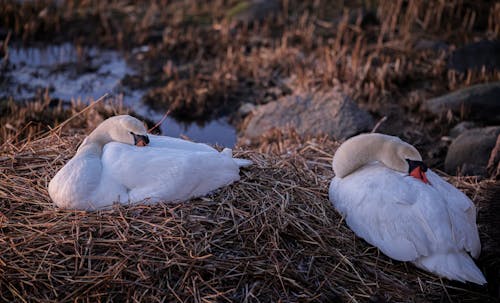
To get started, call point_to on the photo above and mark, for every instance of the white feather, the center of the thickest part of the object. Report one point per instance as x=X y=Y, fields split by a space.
x=168 y=169
x=432 y=225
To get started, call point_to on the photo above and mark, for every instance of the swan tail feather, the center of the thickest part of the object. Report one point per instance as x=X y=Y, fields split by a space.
x=456 y=266
x=240 y=162
x=227 y=152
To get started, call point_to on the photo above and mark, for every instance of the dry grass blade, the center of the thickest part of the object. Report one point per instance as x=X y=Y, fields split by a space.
x=159 y=122
x=86 y=109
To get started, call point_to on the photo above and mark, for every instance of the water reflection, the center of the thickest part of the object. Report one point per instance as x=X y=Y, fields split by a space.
x=67 y=72
x=86 y=74
x=214 y=132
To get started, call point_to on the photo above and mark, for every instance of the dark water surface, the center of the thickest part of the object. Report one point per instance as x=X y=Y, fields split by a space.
x=85 y=74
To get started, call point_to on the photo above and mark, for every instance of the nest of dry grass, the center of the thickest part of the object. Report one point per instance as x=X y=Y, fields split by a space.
x=273 y=236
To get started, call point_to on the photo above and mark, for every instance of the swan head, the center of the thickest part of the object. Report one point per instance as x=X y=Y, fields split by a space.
x=389 y=150
x=124 y=128
x=403 y=157
x=127 y=129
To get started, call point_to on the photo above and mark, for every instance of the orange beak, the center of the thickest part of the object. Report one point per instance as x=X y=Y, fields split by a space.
x=140 y=140
x=141 y=143
x=419 y=174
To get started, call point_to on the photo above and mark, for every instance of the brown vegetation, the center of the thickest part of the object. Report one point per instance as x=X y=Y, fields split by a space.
x=200 y=63
x=273 y=236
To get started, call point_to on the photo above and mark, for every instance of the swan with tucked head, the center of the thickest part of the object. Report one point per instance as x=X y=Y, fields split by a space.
x=123 y=128
x=120 y=162
x=389 y=198
x=391 y=151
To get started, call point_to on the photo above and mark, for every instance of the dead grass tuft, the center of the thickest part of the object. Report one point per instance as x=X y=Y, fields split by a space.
x=273 y=236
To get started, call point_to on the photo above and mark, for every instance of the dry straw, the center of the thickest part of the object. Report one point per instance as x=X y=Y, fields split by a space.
x=271 y=237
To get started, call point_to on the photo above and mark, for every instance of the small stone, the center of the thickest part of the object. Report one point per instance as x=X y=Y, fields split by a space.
x=362 y=17
x=469 y=153
x=461 y=127
x=494 y=161
x=433 y=45
x=248 y=11
x=329 y=113
x=246 y=108
x=475 y=56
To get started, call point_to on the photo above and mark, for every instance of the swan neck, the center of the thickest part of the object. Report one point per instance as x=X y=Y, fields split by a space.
x=350 y=161
x=94 y=142
x=364 y=149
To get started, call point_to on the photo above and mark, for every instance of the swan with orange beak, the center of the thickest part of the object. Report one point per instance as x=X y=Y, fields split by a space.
x=390 y=199
x=120 y=162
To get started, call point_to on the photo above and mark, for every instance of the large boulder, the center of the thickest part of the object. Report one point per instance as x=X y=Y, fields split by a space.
x=469 y=153
x=479 y=103
x=329 y=113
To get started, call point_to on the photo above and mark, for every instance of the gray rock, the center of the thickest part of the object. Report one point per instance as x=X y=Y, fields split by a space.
x=494 y=162
x=469 y=153
x=247 y=11
x=479 y=103
x=246 y=109
x=475 y=56
x=365 y=17
x=461 y=127
x=329 y=113
x=432 y=45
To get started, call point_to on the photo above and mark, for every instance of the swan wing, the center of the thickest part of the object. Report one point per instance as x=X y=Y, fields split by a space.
x=165 y=174
x=176 y=143
x=394 y=212
x=462 y=214
x=75 y=184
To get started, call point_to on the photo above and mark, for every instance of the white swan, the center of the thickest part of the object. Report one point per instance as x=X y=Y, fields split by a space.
x=390 y=199
x=108 y=168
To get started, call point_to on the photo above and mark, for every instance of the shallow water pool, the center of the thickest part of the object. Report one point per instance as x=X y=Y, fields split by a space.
x=87 y=73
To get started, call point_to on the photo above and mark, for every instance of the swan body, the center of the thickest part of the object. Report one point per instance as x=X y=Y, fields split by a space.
x=417 y=218
x=108 y=167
